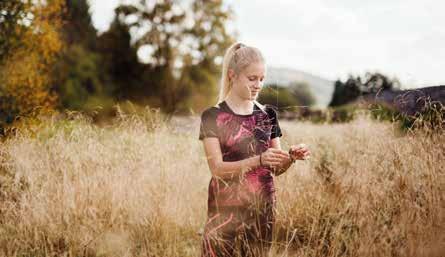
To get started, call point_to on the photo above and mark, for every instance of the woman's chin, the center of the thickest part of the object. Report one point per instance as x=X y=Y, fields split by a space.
x=250 y=98
x=253 y=97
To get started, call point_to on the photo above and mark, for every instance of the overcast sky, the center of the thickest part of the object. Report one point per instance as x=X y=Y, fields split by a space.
x=401 y=38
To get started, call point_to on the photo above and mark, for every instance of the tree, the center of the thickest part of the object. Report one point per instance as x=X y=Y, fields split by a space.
x=202 y=39
x=354 y=87
x=165 y=32
x=209 y=31
x=78 y=74
x=346 y=92
x=120 y=68
x=302 y=93
x=30 y=45
x=80 y=83
x=377 y=81
x=13 y=17
x=78 y=27
x=278 y=96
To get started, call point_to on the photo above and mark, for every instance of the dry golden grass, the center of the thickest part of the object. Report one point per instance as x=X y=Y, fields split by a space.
x=138 y=187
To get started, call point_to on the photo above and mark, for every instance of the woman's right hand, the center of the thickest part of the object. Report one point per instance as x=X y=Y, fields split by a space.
x=274 y=157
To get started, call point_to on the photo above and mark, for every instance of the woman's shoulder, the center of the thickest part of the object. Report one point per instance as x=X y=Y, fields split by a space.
x=270 y=109
x=210 y=111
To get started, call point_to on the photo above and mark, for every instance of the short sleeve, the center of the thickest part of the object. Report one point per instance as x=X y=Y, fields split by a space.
x=276 y=130
x=208 y=126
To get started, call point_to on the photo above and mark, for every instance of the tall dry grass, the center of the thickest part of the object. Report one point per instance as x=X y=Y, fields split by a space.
x=138 y=187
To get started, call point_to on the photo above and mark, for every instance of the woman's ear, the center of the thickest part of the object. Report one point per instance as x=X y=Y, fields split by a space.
x=231 y=74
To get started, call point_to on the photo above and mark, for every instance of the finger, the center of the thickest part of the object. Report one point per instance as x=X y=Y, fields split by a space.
x=297 y=154
x=275 y=159
x=277 y=150
x=284 y=158
x=293 y=147
x=272 y=159
x=275 y=164
x=302 y=152
x=280 y=154
x=304 y=147
x=300 y=148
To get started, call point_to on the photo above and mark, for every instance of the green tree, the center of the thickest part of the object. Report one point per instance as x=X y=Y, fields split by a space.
x=378 y=81
x=174 y=72
x=302 y=93
x=165 y=32
x=78 y=27
x=121 y=69
x=278 y=96
x=13 y=17
x=78 y=73
x=80 y=83
x=209 y=31
x=346 y=92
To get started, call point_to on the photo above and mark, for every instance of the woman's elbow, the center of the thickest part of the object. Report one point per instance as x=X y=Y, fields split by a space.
x=215 y=169
x=218 y=172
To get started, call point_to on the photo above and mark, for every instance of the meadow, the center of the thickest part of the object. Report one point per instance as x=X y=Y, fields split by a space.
x=138 y=187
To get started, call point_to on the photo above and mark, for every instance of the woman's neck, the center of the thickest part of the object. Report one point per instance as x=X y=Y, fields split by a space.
x=238 y=105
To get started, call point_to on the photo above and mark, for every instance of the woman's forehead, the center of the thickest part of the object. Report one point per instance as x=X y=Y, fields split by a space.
x=257 y=68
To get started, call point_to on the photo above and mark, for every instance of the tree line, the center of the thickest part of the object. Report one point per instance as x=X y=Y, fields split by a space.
x=51 y=56
x=158 y=53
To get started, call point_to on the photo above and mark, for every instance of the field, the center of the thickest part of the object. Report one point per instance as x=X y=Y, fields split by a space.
x=138 y=187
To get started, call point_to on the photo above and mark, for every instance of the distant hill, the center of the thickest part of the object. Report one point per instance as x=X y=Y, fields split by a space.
x=321 y=88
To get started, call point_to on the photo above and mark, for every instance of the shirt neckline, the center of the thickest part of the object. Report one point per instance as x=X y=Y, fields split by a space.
x=226 y=106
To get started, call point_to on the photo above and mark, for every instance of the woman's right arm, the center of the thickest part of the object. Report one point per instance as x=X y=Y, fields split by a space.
x=227 y=170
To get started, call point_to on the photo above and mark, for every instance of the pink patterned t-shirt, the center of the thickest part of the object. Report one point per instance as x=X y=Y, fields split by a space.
x=241 y=137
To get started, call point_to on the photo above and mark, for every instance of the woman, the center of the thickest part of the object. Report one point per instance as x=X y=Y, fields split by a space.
x=242 y=145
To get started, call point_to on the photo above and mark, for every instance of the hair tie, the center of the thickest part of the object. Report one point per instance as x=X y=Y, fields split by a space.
x=240 y=45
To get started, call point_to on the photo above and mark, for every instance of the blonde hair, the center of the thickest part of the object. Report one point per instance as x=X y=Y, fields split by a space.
x=237 y=57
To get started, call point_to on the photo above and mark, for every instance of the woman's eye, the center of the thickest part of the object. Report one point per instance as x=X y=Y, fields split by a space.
x=255 y=78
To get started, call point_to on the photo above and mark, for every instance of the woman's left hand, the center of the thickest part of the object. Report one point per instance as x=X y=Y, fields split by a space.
x=299 y=152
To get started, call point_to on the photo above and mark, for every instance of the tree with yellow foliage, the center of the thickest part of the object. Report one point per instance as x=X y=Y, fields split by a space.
x=29 y=45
